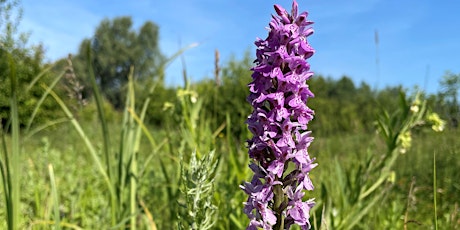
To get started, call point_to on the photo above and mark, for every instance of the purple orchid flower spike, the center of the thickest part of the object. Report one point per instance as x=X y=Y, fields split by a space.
x=279 y=124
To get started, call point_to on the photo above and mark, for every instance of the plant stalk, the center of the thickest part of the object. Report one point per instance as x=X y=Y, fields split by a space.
x=278 y=199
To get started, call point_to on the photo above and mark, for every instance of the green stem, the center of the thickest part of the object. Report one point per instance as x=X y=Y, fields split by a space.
x=133 y=182
x=101 y=114
x=133 y=140
x=278 y=209
x=54 y=194
x=15 y=169
x=106 y=138
x=434 y=192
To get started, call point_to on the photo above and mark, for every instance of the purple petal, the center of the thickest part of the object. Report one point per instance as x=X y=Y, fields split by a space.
x=282 y=13
x=276 y=167
x=294 y=9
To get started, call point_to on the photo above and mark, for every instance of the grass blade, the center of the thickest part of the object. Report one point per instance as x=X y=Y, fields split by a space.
x=40 y=75
x=14 y=173
x=357 y=214
x=434 y=193
x=152 y=224
x=6 y=175
x=86 y=140
x=100 y=110
x=54 y=194
x=44 y=126
x=40 y=102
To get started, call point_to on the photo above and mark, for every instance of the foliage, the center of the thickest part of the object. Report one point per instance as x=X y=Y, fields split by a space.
x=157 y=113
x=229 y=97
x=28 y=64
x=121 y=178
x=10 y=162
x=10 y=16
x=356 y=191
x=356 y=106
x=83 y=197
x=449 y=97
x=115 y=48
x=28 y=68
x=197 y=189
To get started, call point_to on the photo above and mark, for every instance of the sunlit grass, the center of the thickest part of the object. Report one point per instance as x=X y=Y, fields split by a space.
x=127 y=174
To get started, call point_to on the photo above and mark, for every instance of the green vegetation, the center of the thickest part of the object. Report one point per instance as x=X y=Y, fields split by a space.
x=141 y=155
x=115 y=47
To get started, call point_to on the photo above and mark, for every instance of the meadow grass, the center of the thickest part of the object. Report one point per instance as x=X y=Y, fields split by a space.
x=130 y=175
x=82 y=194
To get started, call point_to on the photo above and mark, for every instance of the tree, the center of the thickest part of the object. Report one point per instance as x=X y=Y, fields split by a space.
x=450 y=86
x=116 y=47
x=28 y=63
x=10 y=16
x=344 y=89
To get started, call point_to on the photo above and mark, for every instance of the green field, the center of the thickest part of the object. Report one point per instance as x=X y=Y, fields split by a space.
x=405 y=200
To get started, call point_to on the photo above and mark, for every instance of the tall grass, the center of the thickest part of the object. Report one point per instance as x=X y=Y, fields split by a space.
x=10 y=165
x=122 y=177
x=187 y=175
x=355 y=192
x=57 y=215
x=434 y=192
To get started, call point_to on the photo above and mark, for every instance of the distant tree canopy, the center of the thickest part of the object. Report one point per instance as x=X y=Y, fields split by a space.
x=450 y=87
x=25 y=62
x=341 y=105
x=115 y=47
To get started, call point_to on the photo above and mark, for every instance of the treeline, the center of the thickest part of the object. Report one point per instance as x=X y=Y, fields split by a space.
x=341 y=105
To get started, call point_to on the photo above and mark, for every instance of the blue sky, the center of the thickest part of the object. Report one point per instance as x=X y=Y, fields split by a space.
x=418 y=39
